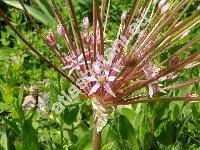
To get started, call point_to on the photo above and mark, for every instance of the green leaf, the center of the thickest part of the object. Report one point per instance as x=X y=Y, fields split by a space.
x=127 y=133
x=72 y=116
x=20 y=96
x=37 y=14
x=13 y=125
x=168 y=134
x=3 y=140
x=46 y=8
x=84 y=142
x=108 y=146
x=18 y=103
x=29 y=136
x=130 y=114
x=5 y=107
x=6 y=92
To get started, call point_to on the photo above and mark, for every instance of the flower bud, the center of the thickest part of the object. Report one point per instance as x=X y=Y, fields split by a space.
x=123 y=16
x=161 y=3
x=165 y=8
x=189 y=95
x=155 y=2
x=174 y=60
x=86 y=23
x=60 y=30
x=186 y=33
x=86 y=40
x=198 y=8
x=50 y=39
x=59 y=46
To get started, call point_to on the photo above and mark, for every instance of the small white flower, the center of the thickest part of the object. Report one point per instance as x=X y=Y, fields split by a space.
x=101 y=76
x=60 y=30
x=150 y=72
x=86 y=23
x=165 y=8
x=186 y=33
x=74 y=63
x=161 y=3
x=123 y=16
x=155 y=2
x=101 y=81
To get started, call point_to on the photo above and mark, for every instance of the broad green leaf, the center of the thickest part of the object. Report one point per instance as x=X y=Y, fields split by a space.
x=5 y=107
x=72 y=116
x=46 y=8
x=130 y=114
x=85 y=142
x=6 y=92
x=29 y=136
x=3 y=140
x=168 y=134
x=127 y=133
x=37 y=14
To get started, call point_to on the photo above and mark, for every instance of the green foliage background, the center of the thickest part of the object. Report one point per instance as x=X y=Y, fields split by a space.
x=166 y=125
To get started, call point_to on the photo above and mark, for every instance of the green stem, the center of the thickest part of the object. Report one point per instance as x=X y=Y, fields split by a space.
x=61 y=130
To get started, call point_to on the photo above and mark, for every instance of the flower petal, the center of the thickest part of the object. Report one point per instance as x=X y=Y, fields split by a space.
x=96 y=68
x=151 y=90
x=77 y=67
x=115 y=69
x=67 y=66
x=80 y=57
x=108 y=89
x=94 y=88
x=111 y=78
x=70 y=71
x=91 y=78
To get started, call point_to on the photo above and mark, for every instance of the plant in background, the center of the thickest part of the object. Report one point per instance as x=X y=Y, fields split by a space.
x=113 y=72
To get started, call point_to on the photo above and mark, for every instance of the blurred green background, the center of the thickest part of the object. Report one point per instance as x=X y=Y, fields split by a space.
x=166 y=125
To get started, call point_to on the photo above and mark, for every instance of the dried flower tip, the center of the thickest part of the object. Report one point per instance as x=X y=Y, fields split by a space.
x=123 y=16
x=131 y=60
x=174 y=60
x=190 y=65
x=161 y=3
x=186 y=33
x=155 y=2
x=165 y=8
x=50 y=38
x=188 y=95
x=198 y=8
x=60 y=30
x=172 y=76
x=86 y=23
x=178 y=23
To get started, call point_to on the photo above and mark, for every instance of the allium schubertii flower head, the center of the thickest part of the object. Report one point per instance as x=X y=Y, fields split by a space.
x=113 y=70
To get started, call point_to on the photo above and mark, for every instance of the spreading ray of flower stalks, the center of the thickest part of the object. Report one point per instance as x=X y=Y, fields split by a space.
x=115 y=70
